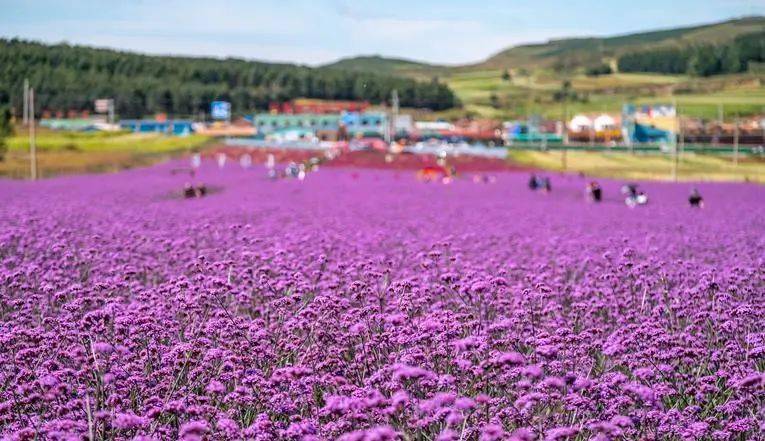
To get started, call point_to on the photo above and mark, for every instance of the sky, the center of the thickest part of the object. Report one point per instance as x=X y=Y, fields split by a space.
x=314 y=32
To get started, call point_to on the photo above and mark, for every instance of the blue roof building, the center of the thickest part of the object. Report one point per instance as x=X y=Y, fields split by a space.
x=175 y=127
x=267 y=123
x=367 y=124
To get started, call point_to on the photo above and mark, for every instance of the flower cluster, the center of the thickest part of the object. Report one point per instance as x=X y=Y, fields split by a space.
x=367 y=306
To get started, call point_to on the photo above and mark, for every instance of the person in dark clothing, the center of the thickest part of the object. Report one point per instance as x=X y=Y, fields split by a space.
x=533 y=182
x=630 y=190
x=594 y=192
x=597 y=192
x=188 y=191
x=201 y=190
x=546 y=185
x=695 y=199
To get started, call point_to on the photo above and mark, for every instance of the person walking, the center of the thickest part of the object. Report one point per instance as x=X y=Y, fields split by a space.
x=594 y=192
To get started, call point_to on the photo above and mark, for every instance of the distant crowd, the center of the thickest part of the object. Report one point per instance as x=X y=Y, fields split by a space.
x=634 y=196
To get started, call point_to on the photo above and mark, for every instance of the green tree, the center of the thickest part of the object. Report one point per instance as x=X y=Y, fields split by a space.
x=705 y=61
x=6 y=129
x=71 y=77
x=494 y=101
x=601 y=69
x=731 y=61
x=701 y=60
x=566 y=92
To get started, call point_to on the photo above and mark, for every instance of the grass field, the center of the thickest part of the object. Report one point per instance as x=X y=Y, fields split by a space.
x=485 y=93
x=691 y=167
x=70 y=152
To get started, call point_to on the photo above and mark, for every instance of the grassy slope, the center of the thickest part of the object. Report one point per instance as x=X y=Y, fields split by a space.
x=741 y=94
x=646 y=166
x=570 y=50
x=547 y=54
x=475 y=84
x=67 y=153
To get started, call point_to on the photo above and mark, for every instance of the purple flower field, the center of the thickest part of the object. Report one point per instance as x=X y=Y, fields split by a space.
x=364 y=305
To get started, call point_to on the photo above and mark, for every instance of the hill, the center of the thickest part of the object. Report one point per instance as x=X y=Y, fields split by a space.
x=568 y=52
x=379 y=64
x=540 y=70
x=578 y=52
x=70 y=77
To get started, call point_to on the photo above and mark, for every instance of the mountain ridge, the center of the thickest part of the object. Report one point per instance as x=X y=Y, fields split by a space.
x=571 y=51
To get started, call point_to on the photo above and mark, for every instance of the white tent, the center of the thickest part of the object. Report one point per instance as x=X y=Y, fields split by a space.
x=580 y=123
x=433 y=125
x=604 y=122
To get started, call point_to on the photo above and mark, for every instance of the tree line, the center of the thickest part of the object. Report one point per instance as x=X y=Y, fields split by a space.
x=69 y=77
x=6 y=130
x=700 y=60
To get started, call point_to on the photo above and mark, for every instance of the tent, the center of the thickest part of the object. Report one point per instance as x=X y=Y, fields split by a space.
x=580 y=123
x=604 y=122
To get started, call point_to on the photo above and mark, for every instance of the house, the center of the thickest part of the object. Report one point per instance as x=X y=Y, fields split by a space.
x=239 y=127
x=325 y=127
x=318 y=107
x=367 y=124
x=267 y=123
x=174 y=127
x=532 y=131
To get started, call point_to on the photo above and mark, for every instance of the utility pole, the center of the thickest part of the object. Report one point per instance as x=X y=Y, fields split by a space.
x=528 y=116
x=675 y=153
x=111 y=111
x=681 y=128
x=720 y=121
x=735 y=142
x=25 y=116
x=564 y=116
x=32 y=145
x=394 y=116
x=762 y=125
x=563 y=158
x=565 y=126
x=720 y=113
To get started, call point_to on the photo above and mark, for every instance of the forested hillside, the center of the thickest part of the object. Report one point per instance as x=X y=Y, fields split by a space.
x=572 y=53
x=701 y=59
x=71 y=77
x=393 y=66
x=582 y=53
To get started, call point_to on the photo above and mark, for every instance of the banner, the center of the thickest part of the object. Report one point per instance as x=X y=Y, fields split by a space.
x=220 y=110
